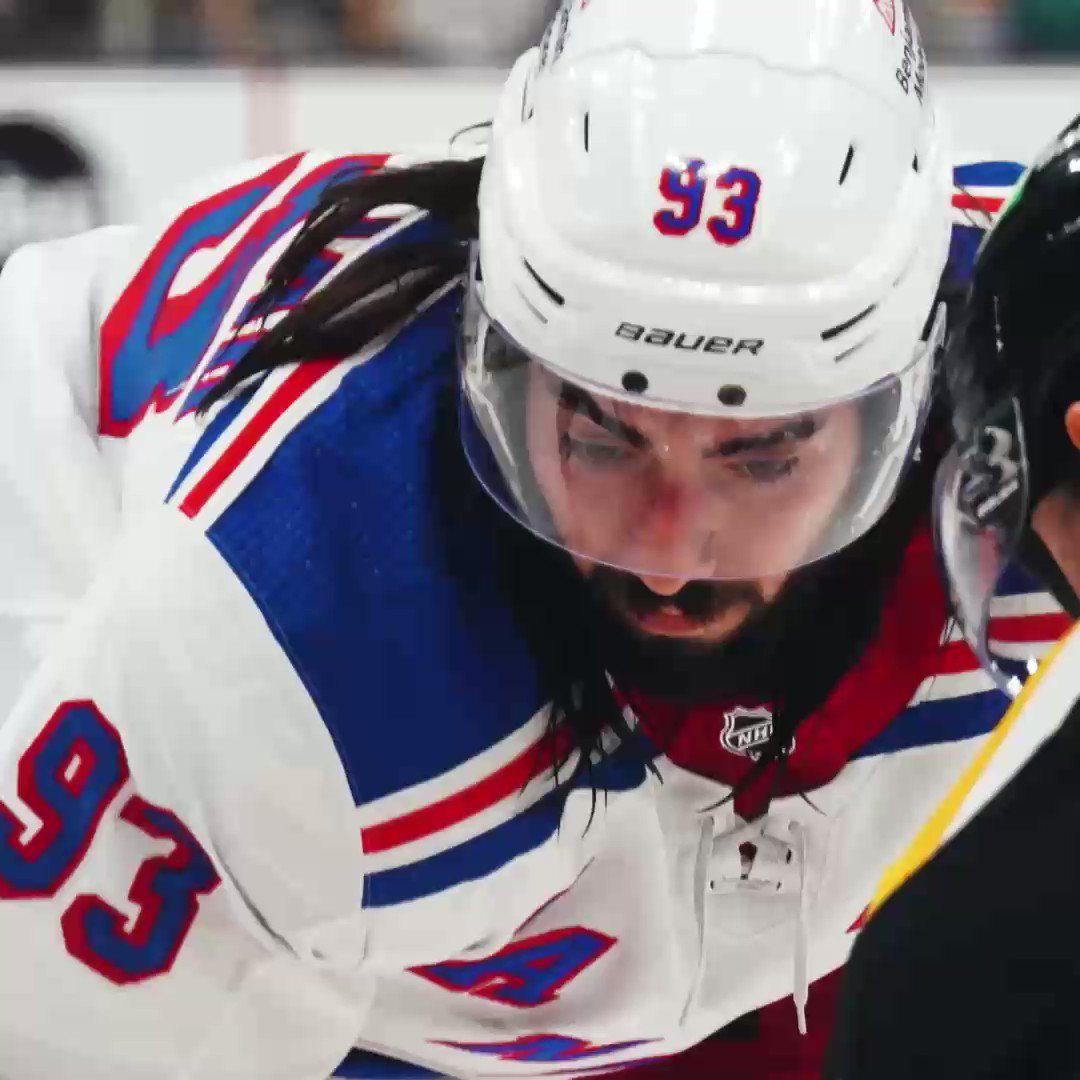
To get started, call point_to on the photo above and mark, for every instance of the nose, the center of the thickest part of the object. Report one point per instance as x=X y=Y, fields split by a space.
x=666 y=539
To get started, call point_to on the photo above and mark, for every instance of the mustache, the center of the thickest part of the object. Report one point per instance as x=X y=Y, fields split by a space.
x=699 y=601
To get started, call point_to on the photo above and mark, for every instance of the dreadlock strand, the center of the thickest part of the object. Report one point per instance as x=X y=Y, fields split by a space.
x=407 y=273
x=447 y=190
x=350 y=201
x=355 y=332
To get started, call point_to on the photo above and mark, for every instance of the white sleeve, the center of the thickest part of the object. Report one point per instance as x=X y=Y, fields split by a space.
x=58 y=502
x=60 y=482
x=181 y=875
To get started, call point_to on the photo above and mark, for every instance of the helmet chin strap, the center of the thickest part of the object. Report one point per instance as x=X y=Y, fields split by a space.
x=1035 y=557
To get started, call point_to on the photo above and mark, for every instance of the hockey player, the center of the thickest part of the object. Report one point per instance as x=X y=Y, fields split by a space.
x=971 y=968
x=337 y=756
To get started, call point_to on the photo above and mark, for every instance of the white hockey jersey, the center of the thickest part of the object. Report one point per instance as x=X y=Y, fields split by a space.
x=279 y=792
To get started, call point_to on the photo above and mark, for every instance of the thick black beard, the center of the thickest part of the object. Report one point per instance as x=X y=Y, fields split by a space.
x=692 y=672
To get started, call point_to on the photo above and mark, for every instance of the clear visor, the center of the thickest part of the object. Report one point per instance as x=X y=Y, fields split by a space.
x=661 y=492
x=980 y=507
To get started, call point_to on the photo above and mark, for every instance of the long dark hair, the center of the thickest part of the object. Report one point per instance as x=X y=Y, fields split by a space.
x=796 y=654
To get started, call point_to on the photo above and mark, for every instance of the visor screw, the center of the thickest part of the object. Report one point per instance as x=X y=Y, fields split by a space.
x=635 y=383
x=732 y=396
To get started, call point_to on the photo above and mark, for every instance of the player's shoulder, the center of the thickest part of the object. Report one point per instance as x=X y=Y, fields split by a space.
x=1045 y=713
x=178 y=308
x=339 y=496
x=179 y=303
x=273 y=193
x=337 y=492
x=956 y=700
x=1045 y=708
x=333 y=491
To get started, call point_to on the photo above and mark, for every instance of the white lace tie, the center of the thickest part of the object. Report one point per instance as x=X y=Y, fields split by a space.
x=768 y=856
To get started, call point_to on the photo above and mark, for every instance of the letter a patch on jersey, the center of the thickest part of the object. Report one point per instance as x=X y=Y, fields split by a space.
x=546 y=1048
x=526 y=973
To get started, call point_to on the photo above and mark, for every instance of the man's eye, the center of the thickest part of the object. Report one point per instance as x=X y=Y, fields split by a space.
x=594 y=452
x=765 y=470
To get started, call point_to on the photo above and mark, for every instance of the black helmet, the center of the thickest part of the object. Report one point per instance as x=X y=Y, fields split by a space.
x=1012 y=370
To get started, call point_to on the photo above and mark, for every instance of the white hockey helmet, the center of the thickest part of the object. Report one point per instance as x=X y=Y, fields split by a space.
x=696 y=337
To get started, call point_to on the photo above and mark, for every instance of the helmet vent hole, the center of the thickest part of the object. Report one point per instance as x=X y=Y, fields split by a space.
x=847 y=354
x=532 y=307
x=586 y=133
x=732 y=396
x=915 y=163
x=836 y=331
x=847 y=164
x=635 y=383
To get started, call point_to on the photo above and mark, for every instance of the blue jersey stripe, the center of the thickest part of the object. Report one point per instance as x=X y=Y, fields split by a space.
x=364 y=1065
x=988 y=174
x=1016 y=581
x=963 y=250
x=474 y=859
x=214 y=430
x=484 y=854
x=363 y=545
x=935 y=722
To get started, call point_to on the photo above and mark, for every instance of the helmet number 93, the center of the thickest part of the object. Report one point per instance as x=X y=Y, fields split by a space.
x=686 y=187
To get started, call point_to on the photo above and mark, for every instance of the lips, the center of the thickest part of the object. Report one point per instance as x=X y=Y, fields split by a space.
x=670 y=622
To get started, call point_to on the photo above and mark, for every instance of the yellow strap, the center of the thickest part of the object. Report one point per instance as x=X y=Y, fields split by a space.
x=929 y=838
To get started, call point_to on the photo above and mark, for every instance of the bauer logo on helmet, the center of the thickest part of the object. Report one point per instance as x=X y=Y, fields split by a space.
x=688 y=342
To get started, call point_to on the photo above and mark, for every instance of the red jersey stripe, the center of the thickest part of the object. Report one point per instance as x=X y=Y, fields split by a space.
x=991 y=204
x=955 y=658
x=298 y=382
x=1032 y=628
x=470 y=801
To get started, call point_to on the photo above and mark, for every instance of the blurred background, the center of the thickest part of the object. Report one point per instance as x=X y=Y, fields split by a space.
x=108 y=106
x=428 y=31
x=211 y=31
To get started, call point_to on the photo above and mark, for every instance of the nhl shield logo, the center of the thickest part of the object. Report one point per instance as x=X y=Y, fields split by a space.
x=746 y=731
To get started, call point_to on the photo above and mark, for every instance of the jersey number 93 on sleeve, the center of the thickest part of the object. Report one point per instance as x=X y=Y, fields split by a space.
x=72 y=772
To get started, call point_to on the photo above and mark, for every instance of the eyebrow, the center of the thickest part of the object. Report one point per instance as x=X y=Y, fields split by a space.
x=581 y=401
x=796 y=431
